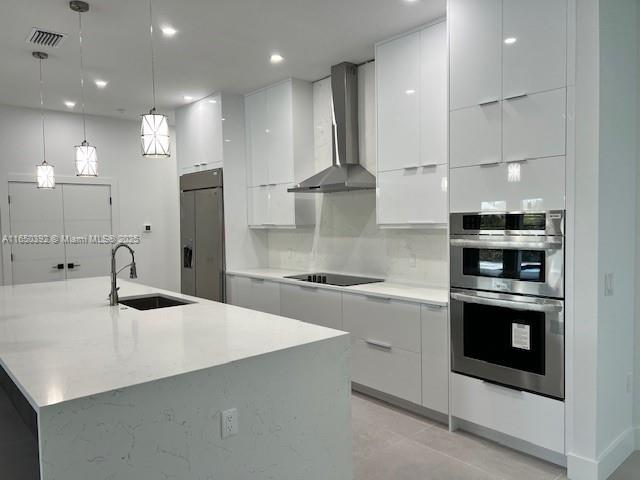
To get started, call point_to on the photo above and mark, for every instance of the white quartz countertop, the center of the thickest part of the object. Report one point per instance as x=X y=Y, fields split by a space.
x=61 y=341
x=391 y=290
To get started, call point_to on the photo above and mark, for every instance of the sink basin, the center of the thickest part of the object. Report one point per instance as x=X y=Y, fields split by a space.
x=151 y=302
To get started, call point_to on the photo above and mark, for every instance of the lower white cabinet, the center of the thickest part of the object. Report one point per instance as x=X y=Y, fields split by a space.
x=274 y=206
x=518 y=186
x=435 y=358
x=312 y=305
x=390 y=370
x=254 y=293
x=536 y=419
x=412 y=196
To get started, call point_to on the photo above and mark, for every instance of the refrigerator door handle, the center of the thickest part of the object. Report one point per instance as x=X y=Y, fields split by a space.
x=187 y=256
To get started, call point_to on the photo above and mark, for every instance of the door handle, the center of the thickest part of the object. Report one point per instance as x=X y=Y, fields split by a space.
x=517 y=97
x=71 y=266
x=531 y=305
x=59 y=266
x=379 y=344
x=187 y=257
x=488 y=102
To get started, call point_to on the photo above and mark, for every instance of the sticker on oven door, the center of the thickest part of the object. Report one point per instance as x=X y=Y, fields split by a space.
x=521 y=336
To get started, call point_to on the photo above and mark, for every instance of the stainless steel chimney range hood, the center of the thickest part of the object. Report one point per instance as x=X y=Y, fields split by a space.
x=346 y=173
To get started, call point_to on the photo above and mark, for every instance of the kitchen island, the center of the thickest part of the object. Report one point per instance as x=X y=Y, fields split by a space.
x=119 y=393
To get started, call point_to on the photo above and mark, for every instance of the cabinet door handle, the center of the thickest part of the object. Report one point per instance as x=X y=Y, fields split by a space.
x=59 y=266
x=516 y=160
x=488 y=102
x=430 y=165
x=491 y=164
x=257 y=280
x=378 y=344
x=375 y=298
x=517 y=97
x=307 y=287
x=412 y=167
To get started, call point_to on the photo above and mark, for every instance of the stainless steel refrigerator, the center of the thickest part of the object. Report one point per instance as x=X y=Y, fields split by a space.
x=202 y=235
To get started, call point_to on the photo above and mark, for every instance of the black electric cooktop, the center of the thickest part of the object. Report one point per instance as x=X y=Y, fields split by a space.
x=334 y=279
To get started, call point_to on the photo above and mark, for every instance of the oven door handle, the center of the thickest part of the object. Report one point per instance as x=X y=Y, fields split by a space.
x=533 y=306
x=555 y=244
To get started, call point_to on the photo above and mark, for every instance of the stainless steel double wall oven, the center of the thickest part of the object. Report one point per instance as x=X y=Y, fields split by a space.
x=507 y=299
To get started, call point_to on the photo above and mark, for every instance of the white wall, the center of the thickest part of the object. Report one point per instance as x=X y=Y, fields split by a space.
x=147 y=190
x=600 y=422
x=346 y=238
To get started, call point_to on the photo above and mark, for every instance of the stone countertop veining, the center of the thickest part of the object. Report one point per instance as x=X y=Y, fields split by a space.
x=61 y=341
x=391 y=290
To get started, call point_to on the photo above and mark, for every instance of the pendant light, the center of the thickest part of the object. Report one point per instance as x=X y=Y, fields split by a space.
x=44 y=171
x=154 y=131
x=85 y=154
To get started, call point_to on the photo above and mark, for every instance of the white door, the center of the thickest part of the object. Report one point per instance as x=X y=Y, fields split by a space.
x=68 y=210
x=87 y=211
x=280 y=133
x=398 y=87
x=257 y=126
x=36 y=212
x=475 y=54
x=433 y=95
x=534 y=46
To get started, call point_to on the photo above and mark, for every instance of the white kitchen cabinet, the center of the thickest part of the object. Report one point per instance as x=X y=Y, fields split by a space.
x=411 y=78
x=534 y=48
x=391 y=322
x=476 y=135
x=253 y=293
x=200 y=135
x=531 y=185
x=393 y=371
x=257 y=138
x=433 y=95
x=273 y=206
x=475 y=55
x=536 y=419
x=534 y=126
x=279 y=133
x=435 y=358
x=398 y=101
x=416 y=196
x=312 y=305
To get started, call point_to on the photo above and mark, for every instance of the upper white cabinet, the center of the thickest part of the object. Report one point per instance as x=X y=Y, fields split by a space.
x=279 y=136
x=475 y=56
x=411 y=76
x=476 y=135
x=200 y=135
x=398 y=79
x=534 y=46
x=279 y=126
x=411 y=85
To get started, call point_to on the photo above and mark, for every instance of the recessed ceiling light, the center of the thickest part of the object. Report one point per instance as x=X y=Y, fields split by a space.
x=69 y=104
x=213 y=101
x=188 y=98
x=411 y=91
x=101 y=83
x=169 y=31
x=510 y=40
x=277 y=58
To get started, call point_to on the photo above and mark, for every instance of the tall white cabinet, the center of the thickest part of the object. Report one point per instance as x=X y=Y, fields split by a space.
x=508 y=104
x=411 y=85
x=279 y=141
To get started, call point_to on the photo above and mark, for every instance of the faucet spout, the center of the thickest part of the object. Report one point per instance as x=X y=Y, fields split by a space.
x=133 y=273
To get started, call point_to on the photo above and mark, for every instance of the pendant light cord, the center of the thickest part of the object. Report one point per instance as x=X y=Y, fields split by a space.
x=153 y=66
x=84 y=120
x=44 y=151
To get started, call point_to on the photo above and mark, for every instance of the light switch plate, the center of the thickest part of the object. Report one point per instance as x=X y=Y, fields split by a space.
x=229 y=422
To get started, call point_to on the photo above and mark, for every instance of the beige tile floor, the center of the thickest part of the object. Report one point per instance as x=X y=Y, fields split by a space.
x=391 y=444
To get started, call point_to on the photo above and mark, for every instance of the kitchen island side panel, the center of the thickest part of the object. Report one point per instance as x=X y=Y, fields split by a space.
x=293 y=415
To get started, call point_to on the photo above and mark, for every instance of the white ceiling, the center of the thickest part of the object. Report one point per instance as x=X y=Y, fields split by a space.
x=221 y=45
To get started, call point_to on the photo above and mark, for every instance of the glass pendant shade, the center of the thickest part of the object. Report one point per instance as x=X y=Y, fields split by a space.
x=45 y=176
x=86 y=160
x=154 y=134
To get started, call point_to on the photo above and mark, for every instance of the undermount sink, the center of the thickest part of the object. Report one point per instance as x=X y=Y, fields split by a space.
x=151 y=302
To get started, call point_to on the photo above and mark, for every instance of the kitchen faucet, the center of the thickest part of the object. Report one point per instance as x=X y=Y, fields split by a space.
x=113 y=296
